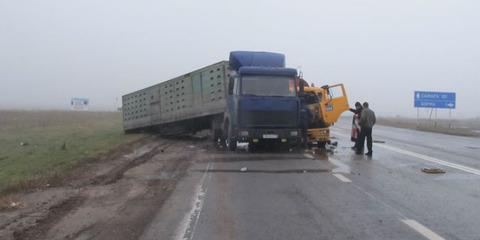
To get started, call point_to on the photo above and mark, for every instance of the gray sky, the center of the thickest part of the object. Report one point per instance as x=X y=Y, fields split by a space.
x=382 y=50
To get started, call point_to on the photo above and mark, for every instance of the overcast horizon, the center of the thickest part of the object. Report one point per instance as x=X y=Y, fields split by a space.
x=51 y=51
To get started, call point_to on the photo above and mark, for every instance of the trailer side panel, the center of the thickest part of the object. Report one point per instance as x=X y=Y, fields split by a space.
x=196 y=94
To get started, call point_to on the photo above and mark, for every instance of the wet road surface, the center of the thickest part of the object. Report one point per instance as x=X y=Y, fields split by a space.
x=188 y=189
x=339 y=195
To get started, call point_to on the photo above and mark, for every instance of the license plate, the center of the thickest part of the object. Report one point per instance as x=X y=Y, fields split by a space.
x=270 y=136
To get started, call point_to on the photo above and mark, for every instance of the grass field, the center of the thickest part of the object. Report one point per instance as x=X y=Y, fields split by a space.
x=39 y=145
x=462 y=127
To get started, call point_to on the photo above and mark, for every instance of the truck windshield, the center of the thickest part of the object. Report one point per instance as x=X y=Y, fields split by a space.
x=268 y=86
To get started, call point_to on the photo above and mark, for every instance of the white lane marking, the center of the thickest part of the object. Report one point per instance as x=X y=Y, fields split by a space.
x=429 y=234
x=342 y=178
x=431 y=159
x=425 y=157
x=186 y=229
x=426 y=232
x=308 y=155
x=341 y=167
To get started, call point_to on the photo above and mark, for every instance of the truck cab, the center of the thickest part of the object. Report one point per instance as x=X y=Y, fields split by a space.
x=325 y=105
x=262 y=101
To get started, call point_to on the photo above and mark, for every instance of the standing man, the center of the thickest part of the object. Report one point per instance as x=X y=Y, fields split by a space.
x=367 y=120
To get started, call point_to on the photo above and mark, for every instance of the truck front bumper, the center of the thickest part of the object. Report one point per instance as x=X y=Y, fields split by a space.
x=318 y=134
x=257 y=135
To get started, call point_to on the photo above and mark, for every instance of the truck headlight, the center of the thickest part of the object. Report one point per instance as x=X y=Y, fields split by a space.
x=294 y=133
x=244 y=133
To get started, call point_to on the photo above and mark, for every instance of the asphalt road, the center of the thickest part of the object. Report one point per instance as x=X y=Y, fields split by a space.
x=186 y=188
x=330 y=195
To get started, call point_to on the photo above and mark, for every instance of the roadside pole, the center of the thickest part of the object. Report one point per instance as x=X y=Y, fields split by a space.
x=418 y=114
x=449 y=118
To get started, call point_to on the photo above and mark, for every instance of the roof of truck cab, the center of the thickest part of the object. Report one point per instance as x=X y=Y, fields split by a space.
x=289 y=72
x=240 y=59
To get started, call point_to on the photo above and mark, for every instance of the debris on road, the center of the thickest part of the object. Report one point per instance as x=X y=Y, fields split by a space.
x=14 y=204
x=378 y=141
x=23 y=144
x=9 y=204
x=472 y=147
x=433 y=170
x=243 y=169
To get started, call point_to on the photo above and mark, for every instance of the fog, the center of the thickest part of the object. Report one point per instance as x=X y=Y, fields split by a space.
x=51 y=51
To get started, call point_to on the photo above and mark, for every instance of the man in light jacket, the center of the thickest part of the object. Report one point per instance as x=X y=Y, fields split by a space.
x=367 y=120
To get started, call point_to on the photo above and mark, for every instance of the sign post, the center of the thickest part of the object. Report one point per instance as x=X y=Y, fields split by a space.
x=434 y=101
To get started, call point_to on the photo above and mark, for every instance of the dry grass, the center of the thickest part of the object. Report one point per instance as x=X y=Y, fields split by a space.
x=467 y=127
x=37 y=147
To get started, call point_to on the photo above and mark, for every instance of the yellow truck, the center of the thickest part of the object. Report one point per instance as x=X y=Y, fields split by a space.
x=325 y=105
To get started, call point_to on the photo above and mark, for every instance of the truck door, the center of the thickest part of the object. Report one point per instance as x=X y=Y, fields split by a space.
x=334 y=103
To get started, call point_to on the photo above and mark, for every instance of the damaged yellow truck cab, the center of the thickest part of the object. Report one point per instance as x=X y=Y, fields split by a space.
x=325 y=104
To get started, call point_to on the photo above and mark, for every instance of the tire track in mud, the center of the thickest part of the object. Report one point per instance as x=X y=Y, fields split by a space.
x=117 y=173
x=55 y=212
x=131 y=218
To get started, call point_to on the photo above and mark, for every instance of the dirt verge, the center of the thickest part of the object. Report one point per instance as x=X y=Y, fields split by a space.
x=109 y=198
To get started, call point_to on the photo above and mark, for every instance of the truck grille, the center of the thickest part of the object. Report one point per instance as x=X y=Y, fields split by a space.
x=270 y=119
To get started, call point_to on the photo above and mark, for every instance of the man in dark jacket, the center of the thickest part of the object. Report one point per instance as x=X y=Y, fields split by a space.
x=367 y=121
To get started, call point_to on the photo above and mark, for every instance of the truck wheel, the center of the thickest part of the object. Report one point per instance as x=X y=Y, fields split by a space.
x=230 y=140
x=232 y=144
x=255 y=147
x=217 y=134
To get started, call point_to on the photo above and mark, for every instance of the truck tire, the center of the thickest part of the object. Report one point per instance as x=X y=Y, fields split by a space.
x=230 y=140
x=217 y=134
x=232 y=144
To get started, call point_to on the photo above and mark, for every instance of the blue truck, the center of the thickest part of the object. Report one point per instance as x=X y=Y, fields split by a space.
x=250 y=98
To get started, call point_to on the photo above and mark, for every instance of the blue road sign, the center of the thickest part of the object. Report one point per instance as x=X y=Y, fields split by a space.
x=424 y=99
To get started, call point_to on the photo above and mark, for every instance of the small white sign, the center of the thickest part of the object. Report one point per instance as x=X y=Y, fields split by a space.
x=79 y=104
